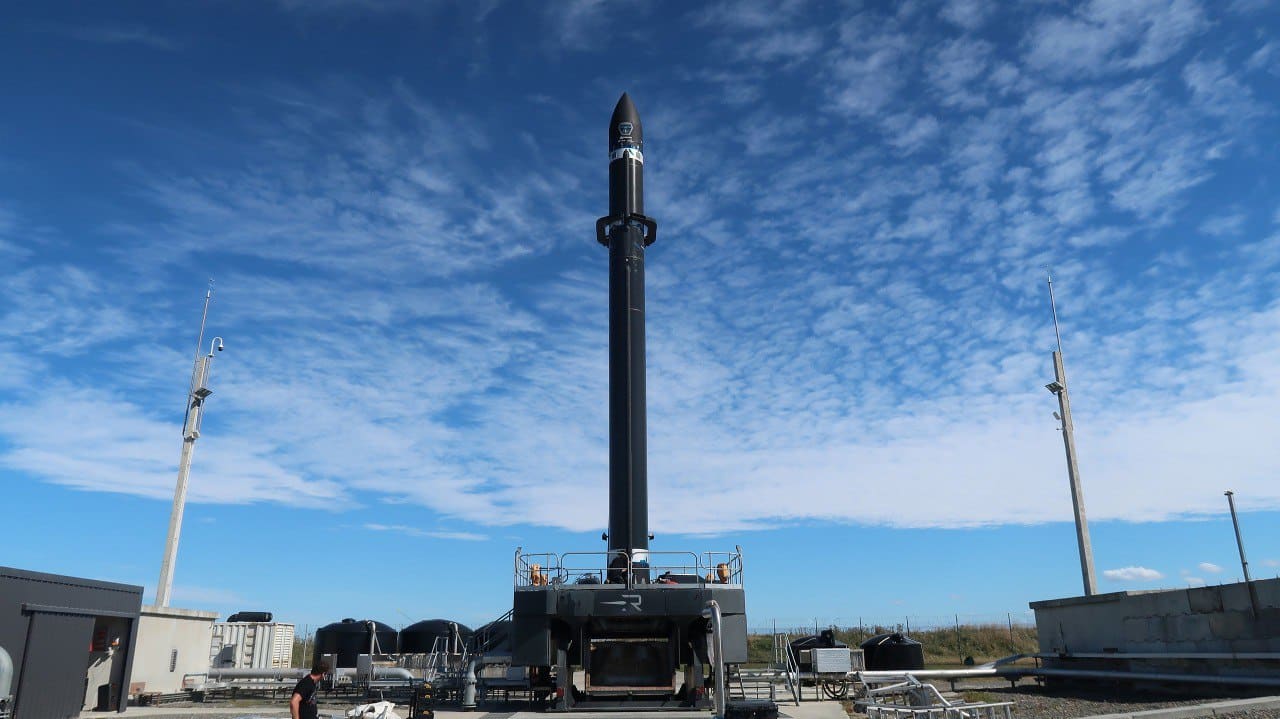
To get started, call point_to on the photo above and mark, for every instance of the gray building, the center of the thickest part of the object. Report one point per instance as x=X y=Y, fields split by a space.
x=1225 y=629
x=71 y=641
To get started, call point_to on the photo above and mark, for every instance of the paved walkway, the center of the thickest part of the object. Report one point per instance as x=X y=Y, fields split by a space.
x=808 y=710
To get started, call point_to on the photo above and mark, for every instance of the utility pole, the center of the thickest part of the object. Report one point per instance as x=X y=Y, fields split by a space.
x=197 y=393
x=1059 y=387
x=1244 y=563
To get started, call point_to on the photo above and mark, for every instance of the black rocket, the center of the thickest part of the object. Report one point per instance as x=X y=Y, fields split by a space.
x=626 y=231
x=633 y=635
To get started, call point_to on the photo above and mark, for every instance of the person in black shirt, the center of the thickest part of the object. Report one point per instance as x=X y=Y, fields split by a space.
x=302 y=705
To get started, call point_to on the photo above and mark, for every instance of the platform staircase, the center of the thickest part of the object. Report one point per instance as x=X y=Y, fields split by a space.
x=779 y=681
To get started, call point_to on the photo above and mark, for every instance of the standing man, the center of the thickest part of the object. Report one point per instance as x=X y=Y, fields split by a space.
x=303 y=703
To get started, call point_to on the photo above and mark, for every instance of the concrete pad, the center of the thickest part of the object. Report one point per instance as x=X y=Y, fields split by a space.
x=807 y=710
x=604 y=715
x=812 y=710
x=162 y=712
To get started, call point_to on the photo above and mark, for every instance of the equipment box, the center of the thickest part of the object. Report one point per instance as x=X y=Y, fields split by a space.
x=838 y=660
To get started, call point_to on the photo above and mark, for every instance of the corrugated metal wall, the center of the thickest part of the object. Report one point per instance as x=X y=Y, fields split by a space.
x=54 y=640
x=47 y=623
x=259 y=645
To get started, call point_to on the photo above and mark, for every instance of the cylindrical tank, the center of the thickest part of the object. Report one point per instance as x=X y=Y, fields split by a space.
x=349 y=639
x=6 y=674
x=421 y=637
x=892 y=652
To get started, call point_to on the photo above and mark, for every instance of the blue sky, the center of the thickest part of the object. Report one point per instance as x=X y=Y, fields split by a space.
x=848 y=323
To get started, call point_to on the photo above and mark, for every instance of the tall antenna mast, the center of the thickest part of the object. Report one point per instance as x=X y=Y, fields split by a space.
x=1053 y=305
x=204 y=317
x=1059 y=388
x=197 y=392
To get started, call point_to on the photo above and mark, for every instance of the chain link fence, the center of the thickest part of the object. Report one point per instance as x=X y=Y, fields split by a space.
x=949 y=640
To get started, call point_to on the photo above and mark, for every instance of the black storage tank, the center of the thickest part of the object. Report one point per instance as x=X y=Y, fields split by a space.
x=892 y=652
x=421 y=637
x=349 y=639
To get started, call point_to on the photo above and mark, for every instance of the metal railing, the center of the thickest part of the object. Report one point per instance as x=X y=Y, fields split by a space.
x=611 y=568
x=923 y=701
x=984 y=710
x=792 y=669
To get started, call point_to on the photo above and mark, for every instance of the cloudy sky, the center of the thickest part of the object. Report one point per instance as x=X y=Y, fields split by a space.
x=849 y=329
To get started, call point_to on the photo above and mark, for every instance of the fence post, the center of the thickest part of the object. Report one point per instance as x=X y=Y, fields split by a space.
x=959 y=646
x=1013 y=646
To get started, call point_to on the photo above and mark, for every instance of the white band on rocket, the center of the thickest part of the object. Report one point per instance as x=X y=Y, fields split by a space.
x=630 y=152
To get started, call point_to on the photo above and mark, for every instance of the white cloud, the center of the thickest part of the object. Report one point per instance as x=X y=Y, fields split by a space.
x=1224 y=225
x=1134 y=574
x=1210 y=567
x=1217 y=90
x=958 y=71
x=118 y=34
x=1104 y=36
x=869 y=70
x=968 y=14
x=420 y=532
x=1193 y=581
x=404 y=327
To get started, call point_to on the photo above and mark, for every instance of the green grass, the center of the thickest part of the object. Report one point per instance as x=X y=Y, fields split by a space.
x=983 y=642
x=942 y=647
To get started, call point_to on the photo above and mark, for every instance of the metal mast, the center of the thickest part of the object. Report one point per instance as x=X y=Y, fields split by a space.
x=1244 y=563
x=197 y=393
x=1059 y=388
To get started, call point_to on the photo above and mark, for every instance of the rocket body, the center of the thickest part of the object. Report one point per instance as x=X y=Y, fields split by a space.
x=626 y=232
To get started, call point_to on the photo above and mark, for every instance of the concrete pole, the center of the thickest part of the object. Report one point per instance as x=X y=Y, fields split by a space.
x=197 y=392
x=1073 y=474
x=165 y=588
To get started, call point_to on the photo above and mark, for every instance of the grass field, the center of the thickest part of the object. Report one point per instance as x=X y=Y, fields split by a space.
x=943 y=647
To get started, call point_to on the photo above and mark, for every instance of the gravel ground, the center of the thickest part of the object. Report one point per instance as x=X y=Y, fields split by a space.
x=1033 y=701
x=1037 y=702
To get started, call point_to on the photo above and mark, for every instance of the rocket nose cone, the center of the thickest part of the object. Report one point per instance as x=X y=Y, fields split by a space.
x=624 y=126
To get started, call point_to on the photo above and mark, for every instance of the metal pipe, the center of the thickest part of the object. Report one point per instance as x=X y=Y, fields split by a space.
x=1145 y=676
x=712 y=611
x=469 y=687
x=1118 y=675
x=1161 y=655
x=1235 y=522
x=930 y=673
x=1244 y=563
x=220 y=673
